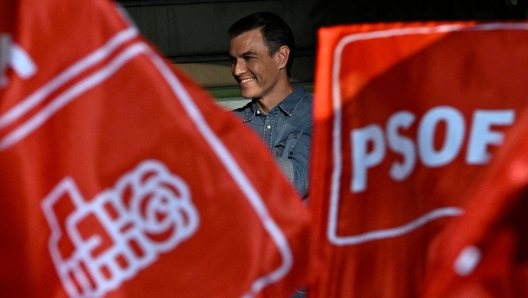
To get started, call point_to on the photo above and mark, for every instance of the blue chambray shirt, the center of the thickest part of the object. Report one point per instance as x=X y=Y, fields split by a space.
x=287 y=132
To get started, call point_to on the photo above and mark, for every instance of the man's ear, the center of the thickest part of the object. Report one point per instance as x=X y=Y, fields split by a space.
x=282 y=54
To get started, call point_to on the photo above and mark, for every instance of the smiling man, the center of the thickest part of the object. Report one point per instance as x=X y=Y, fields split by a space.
x=261 y=53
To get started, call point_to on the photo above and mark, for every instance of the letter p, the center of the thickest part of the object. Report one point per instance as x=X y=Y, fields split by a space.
x=362 y=157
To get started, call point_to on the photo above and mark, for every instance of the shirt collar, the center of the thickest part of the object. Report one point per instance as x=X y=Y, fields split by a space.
x=290 y=103
x=287 y=105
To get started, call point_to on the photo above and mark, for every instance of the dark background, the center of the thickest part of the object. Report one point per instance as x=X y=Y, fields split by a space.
x=193 y=33
x=331 y=12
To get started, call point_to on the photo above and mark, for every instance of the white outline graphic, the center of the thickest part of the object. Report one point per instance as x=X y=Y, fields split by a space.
x=67 y=75
x=154 y=191
x=130 y=52
x=336 y=133
x=72 y=93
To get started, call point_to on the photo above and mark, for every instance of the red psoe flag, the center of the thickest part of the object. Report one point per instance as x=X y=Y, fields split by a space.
x=122 y=178
x=407 y=119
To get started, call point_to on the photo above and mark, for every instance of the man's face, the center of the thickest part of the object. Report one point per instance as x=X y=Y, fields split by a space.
x=256 y=72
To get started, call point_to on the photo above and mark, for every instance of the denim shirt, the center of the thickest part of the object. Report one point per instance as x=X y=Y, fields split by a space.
x=287 y=132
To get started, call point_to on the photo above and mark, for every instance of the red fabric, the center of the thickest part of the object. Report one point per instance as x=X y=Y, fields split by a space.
x=495 y=223
x=407 y=117
x=122 y=178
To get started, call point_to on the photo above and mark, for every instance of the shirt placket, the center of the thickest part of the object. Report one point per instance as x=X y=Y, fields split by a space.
x=269 y=124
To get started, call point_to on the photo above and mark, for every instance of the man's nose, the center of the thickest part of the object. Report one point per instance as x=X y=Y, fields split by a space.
x=238 y=68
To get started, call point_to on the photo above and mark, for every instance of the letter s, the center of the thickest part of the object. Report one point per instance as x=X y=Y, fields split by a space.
x=401 y=144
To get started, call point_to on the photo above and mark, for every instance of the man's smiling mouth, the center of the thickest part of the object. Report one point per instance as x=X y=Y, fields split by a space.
x=246 y=80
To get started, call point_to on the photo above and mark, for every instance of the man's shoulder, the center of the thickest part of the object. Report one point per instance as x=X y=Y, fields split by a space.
x=305 y=97
x=308 y=97
x=298 y=100
x=305 y=101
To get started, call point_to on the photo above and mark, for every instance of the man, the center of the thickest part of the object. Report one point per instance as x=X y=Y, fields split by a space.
x=261 y=52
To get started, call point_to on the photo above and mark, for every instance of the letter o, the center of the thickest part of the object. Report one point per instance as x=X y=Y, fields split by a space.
x=455 y=131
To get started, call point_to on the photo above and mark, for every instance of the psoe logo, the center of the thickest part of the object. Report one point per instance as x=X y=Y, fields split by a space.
x=97 y=244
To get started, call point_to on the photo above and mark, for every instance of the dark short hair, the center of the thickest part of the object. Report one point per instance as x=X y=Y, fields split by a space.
x=275 y=31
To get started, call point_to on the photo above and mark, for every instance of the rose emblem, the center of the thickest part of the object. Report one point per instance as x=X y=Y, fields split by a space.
x=161 y=204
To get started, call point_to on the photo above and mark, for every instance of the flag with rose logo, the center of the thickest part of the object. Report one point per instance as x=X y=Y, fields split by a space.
x=122 y=178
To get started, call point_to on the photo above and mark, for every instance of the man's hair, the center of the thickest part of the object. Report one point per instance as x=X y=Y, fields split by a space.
x=275 y=31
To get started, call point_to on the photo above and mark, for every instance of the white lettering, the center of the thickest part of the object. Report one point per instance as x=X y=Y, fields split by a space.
x=401 y=144
x=481 y=134
x=368 y=146
x=361 y=158
x=455 y=130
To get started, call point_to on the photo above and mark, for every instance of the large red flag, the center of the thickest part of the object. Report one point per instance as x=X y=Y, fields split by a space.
x=484 y=253
x=122 y=178
x=407 y=118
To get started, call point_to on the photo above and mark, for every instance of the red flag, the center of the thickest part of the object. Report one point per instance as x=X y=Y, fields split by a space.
x=484 y=252
x=407 y=117
x=122 y=178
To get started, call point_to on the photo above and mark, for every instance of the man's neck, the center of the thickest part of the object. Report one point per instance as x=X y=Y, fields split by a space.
x=269 y=102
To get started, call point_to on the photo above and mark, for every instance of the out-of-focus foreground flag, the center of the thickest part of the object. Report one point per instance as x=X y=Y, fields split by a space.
x=407 y=119
x=120 y=177
x=484 y=253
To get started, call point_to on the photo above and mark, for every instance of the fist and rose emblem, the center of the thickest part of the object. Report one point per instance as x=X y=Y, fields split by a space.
x=148 y=212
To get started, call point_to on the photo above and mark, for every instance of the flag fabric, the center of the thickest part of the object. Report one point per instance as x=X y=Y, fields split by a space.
x=122 y=178
x=407 y=117
x=484 y=252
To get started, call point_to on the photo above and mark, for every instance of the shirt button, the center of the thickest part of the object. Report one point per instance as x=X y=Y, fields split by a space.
x=258 y=112
x=269 y=127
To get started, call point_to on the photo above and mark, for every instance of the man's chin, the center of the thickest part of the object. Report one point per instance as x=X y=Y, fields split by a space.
x=247 y=95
